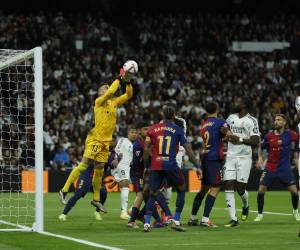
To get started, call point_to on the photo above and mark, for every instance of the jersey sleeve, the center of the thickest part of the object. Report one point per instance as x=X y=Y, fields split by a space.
x=229 y=119
x=297 y=103
x=124 y=98
x=109 y=93
x=253 y=127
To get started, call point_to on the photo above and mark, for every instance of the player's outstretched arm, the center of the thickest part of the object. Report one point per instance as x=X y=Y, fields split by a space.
x=125 y=97
x=109 y=93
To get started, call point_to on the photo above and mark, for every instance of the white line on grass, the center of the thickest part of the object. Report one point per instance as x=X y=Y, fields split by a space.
x=85 y=242
x=254 y=211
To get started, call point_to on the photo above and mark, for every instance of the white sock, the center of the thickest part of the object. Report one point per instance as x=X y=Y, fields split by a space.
x=245 y=199
x=230 y=202
x=124 y=199
x=167 y=192
x=193 y=217
x=205 y=219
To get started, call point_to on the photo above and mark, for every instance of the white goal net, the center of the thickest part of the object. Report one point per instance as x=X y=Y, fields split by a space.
x=21 y=140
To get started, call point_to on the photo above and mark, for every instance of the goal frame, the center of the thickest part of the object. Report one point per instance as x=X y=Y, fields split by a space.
x=37 y=55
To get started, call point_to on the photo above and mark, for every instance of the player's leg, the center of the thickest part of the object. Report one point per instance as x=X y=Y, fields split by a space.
x=155 y=182
x=124 y=187
x=193 y=221
x=135 y=210
x=295 y=200
x=213 y=180
x=101 y=153
x=229 y=177
x=83 y=186
x=243 y=172
x=265 y=181
x=72 y=177
x=103 y=196
x=176 y=179
x=97 y=182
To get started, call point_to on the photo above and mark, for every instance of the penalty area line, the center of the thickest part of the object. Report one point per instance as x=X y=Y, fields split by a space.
x=85 y=242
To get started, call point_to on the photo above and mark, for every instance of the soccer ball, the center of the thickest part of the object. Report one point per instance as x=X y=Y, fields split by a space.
x=130 y=66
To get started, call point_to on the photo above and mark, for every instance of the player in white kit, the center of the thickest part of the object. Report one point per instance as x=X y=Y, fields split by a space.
x=121 y=173
x=243 y=135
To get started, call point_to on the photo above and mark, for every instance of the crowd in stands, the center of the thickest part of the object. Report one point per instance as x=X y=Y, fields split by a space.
x=183 y=58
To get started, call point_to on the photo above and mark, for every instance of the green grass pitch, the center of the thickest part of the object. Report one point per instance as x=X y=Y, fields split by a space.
x=274 y=232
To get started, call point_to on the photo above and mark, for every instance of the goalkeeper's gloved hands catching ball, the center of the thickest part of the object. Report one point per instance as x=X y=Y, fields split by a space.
x=125 y=76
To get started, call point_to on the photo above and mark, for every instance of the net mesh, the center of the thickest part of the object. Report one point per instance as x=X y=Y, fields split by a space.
x=17 y=148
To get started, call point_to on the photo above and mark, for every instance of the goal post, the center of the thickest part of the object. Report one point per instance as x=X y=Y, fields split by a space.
x=21 y=140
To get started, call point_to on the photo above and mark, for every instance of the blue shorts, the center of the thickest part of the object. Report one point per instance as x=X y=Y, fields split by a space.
x=211 y=173
x=287 y=178
x=137 y=183
x=157 y=177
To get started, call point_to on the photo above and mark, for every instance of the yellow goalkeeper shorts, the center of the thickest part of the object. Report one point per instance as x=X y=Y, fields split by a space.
x=96 y=150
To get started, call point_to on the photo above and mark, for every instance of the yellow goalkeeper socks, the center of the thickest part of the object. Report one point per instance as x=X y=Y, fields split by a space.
x=74 y=175
x=97 y=181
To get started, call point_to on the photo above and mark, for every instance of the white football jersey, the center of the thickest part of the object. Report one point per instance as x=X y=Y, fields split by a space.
x=124 y=148
x=244 y=127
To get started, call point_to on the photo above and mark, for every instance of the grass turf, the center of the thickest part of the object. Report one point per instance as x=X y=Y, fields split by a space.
x=274 y=232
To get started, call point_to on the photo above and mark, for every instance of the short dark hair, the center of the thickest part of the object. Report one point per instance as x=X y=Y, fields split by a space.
x=169 y=112
x=282 y=116
x=140 y=124
x=211 y=107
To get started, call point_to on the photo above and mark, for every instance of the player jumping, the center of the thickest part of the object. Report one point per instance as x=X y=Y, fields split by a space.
x=278 y=145
x=98 y=139
x=163 y=140
x=212 y=132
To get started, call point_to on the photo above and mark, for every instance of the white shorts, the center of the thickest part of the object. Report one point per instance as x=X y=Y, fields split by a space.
x=121 y=173
x=237 y=168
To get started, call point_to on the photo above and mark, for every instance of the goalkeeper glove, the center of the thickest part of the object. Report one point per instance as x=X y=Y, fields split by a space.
x=125 y=76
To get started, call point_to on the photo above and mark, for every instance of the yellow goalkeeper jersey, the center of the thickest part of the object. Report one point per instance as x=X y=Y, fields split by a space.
x=105 y=112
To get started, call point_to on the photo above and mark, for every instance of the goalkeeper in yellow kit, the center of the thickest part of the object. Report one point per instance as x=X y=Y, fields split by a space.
x=99 y=137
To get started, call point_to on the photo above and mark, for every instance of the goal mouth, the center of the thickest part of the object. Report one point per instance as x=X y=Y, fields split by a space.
x=21 y=139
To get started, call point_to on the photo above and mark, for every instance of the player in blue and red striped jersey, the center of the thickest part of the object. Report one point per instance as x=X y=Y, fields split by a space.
x=139 y=179
x=163 y=142
x=278 y=165
x=212 y=132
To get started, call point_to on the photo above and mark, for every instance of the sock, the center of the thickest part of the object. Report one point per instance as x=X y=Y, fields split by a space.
x=103 y=195
x=295 y=200
x=167 y=194
x=149 y=209
x=97 y=181
x=179 y=205
x=162 y=202
x=245 y=198
x=71 y=203
x=73 y=176
x=197 y=203
x=260 y=202
x=230 y=202
x=134 y=214
x=209 y=203
x=142 y=212
x=156 y=215
x=124 y=199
